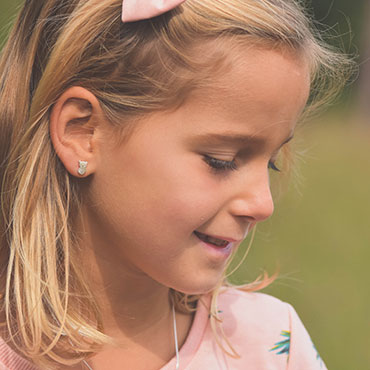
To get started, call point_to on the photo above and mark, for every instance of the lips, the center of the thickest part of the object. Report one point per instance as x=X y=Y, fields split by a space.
x=211 y=240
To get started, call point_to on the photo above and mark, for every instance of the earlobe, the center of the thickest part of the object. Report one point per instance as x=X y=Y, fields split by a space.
x=74 y=121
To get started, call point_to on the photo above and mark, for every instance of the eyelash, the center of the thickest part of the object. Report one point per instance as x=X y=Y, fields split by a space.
x=273 y=167
x=219 y=165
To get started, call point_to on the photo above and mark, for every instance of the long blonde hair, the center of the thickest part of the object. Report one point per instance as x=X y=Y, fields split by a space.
x=47 y=308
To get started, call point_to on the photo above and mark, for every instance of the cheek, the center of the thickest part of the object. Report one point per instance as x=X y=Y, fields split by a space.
x=180 y=205
x=161 y=199
x=188 y=197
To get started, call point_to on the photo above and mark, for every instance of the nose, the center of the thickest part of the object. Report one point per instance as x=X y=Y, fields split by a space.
x=252 y=197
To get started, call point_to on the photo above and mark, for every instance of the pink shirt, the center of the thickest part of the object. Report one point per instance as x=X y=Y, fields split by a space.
x=266 y=332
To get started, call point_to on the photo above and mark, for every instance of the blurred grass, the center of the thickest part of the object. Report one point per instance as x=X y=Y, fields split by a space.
x=8 y=9
x=319 y=238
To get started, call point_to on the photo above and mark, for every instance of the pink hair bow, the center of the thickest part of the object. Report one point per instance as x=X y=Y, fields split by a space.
x=136 y=10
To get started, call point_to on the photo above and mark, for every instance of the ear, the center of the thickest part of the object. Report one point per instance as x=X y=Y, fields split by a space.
x=74 y=122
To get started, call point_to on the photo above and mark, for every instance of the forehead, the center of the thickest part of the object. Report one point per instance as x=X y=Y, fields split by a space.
x=256 y=83
x=258 y=93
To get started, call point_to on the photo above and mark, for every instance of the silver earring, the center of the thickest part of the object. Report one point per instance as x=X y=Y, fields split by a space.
x=82 y=165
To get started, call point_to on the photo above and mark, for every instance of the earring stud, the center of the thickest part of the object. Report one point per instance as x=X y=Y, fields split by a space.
x=82 y=165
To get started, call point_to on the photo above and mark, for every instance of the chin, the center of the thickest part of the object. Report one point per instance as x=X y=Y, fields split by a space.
x=198 y=287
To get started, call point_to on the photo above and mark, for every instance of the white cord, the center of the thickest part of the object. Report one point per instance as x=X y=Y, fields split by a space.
x=175 y=335
x=176 y=342
x=87 y=365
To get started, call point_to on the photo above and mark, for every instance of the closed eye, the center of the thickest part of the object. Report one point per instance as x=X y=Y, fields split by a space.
x=219 y=165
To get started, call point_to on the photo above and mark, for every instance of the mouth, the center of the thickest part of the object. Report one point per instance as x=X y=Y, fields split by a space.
x=211 y=240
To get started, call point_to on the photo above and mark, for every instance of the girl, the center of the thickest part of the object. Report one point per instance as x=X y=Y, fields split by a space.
x=135 y=147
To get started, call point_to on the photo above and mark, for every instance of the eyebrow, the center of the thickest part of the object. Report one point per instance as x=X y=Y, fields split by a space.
x=230 y=138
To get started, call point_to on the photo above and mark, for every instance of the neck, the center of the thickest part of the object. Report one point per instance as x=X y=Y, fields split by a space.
x=135 y=309
x=131 y=303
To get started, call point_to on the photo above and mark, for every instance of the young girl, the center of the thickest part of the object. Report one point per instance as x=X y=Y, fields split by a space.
x=135 y=148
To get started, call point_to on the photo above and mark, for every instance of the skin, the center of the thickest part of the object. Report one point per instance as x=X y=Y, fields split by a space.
x=145 y=198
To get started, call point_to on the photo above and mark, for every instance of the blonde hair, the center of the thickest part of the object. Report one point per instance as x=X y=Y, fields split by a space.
x=47 y=308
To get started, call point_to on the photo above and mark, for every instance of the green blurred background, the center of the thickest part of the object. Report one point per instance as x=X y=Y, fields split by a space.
x=319 y=236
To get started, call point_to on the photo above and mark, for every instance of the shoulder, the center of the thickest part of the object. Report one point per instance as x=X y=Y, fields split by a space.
x=10 y=360
x=253 y=312
x=253 y=306
x=265 y=322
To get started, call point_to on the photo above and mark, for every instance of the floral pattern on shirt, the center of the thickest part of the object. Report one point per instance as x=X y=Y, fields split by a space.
x=282 y=347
